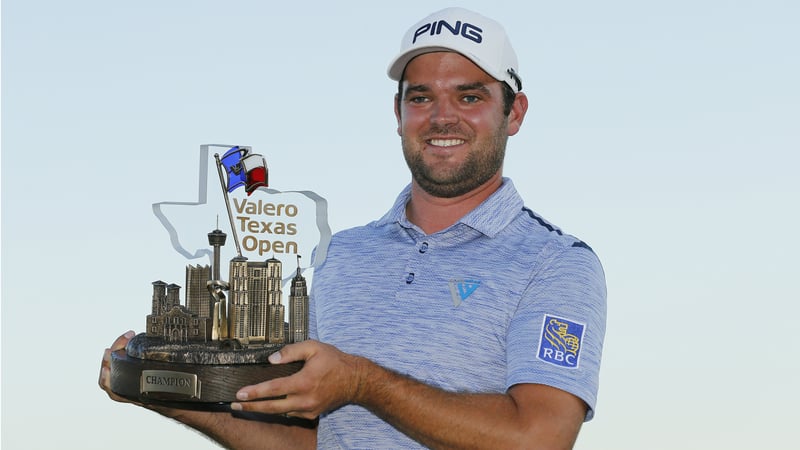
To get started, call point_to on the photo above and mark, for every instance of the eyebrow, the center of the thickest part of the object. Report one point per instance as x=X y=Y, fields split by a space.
x=415 y=88
x=477 y=86
x=422 y=88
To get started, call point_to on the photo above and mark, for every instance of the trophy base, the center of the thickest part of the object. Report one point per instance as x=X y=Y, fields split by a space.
x=205 y=387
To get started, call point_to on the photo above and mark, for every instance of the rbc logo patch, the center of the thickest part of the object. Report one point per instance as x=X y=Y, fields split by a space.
x=561 y=341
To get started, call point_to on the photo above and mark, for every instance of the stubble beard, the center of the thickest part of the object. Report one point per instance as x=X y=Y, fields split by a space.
x=482 y=162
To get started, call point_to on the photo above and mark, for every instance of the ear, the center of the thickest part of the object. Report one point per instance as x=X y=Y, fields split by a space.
x=397 y=112
x=517 y=114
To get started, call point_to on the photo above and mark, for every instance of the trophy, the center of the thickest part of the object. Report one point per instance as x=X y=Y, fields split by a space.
x=199 y=353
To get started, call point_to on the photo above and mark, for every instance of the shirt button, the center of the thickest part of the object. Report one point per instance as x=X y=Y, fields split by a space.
x=423 y=248
x=410 y=278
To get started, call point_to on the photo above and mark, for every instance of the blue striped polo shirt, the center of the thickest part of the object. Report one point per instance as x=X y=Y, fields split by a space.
x=499 y=298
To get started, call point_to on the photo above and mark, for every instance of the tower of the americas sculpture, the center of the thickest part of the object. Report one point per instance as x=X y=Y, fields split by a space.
x=216 y=239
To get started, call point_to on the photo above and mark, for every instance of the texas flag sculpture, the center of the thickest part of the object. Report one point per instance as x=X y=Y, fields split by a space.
x=244 y=169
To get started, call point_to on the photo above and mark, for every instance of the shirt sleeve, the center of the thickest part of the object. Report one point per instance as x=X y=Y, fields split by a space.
x=556 y=336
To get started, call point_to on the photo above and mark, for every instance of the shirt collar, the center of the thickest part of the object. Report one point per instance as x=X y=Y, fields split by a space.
x=490 y=217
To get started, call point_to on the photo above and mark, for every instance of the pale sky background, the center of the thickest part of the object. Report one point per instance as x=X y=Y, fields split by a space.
x=663 y=133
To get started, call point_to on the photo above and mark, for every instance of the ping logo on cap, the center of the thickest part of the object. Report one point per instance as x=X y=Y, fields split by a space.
x=464 y=29
x=561 y=341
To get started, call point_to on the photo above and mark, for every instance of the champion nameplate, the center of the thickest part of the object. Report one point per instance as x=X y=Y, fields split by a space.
x=167 y=381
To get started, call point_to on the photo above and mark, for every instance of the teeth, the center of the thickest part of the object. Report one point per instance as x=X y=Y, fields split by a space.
x=446 y=142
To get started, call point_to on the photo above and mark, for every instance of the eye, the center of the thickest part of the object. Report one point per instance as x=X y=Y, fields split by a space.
x=418 y=99
x=470 y=99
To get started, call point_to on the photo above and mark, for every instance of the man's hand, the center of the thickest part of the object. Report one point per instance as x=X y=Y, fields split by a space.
x=105 y=378
x=329 y=379
x=105 y=366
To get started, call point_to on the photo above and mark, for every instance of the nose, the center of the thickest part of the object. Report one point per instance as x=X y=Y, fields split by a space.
x=444 y=112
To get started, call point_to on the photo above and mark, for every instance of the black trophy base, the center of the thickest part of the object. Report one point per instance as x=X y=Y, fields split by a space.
x=189 y=385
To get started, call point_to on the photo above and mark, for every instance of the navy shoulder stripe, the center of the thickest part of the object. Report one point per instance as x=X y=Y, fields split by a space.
x=578 y=244
x=541 y=221
x=582 y=244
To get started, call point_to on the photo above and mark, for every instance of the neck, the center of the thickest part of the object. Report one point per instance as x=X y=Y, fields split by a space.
x=433 y=214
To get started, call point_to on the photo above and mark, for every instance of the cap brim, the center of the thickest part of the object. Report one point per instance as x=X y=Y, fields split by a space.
x=398 y=65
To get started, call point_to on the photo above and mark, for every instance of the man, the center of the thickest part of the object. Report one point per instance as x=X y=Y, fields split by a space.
x=460 y=319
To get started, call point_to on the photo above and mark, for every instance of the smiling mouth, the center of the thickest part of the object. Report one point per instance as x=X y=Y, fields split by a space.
x=445 y=142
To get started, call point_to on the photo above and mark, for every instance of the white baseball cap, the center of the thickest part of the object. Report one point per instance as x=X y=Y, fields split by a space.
x=478 y=38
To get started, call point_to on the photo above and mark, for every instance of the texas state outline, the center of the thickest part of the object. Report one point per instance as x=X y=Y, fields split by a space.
x=321 y=206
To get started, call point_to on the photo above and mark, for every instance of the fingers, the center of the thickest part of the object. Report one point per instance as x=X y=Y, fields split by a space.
x=276 y=387
x=104 y=380
x=300 y=351
x=286 y=395
x=277 y=396
x=288 y=405
x=122 y=341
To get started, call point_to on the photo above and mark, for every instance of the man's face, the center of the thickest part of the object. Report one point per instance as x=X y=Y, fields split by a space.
x=450 y=118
